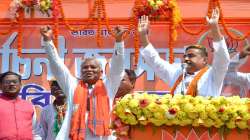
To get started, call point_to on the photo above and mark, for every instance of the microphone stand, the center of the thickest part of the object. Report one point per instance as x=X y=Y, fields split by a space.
x=183 y=66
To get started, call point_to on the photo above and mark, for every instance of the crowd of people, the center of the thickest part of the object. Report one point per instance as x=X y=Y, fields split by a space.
x=81 y=109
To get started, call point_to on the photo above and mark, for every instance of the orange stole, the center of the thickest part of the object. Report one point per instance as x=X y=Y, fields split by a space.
x=192 y=88
x=98 y=118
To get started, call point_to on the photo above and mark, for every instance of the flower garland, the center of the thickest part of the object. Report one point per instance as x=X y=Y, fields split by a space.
x=157 y=9
x=134 y=26
x=202 y=27
x=99 y=23
x=66 y=22
x=212 y=4
x=136 y=46
x=103 y=9
x=45 y=6
x=152 y=8
x=10 y=29
x=121 y=129
x=217 y=2
x=20 y=31
x=29 y=5
x=55 y=13
x=17 y=11
x=175 y=18
x=230 y=112
x=99 y=9
x=172 y=37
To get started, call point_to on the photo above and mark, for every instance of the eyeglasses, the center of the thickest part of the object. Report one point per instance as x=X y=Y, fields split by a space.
x=8 y=82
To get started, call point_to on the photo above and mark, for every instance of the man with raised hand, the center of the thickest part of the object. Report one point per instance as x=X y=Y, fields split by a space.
x=235 y=82
x=89 y=100
x=197 y=77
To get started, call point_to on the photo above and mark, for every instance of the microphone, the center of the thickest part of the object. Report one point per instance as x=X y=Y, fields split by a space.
x=184 y=67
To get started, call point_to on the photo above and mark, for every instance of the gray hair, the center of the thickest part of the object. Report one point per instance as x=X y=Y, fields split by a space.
x=92 y=59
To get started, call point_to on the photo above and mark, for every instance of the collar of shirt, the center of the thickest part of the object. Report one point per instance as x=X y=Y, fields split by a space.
x=189 y=77
x=191 y=74
x=90 y=88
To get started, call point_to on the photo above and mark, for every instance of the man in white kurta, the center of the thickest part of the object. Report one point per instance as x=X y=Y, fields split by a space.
x=68 y=82
x=237 y=83
x=210 y=83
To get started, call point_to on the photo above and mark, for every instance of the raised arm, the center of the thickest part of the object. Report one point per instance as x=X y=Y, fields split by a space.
x=221 y=56
x=238 y=77
x=58 y=68
x=117 y=61
x=239 y=59
x=162 y=68
x=243 y=78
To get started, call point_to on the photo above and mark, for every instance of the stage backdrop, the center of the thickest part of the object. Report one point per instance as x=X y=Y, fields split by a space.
x=73 y=46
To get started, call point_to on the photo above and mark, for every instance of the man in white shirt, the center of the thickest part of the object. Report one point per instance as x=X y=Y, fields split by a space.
x=89 y=112
x=52 y=116
x=199 y=78
x=237 y=83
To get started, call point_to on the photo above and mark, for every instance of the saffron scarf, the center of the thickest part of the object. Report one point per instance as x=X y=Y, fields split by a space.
x=192 y=88
x=98 y=118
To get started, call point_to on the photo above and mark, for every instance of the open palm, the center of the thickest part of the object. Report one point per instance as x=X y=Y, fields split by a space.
x=215 y=17
x=143 y=25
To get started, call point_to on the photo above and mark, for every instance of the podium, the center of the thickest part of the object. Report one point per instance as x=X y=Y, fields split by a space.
x=151 y=132
x=181 y=117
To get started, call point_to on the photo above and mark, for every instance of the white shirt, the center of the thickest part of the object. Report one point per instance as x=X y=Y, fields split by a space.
x=236 y=83
x=68 y=83
x=47 y=119
x=210 y=83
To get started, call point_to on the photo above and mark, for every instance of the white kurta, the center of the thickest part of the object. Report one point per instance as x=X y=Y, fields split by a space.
x=47 y=119
x=236 y=83
x=68 y=83
x=210 y=84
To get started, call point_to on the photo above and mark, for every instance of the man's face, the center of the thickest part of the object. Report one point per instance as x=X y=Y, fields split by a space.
x=90 y=71
x=11 y=86
x=194 y=60
x=125 y=87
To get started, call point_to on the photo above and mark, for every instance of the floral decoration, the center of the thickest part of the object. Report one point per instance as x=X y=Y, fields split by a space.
x=183 y=110
x=29 y=6
x=152 y=8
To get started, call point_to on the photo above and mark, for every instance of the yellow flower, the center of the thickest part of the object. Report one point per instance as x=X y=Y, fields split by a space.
x=231 y=124
x=159 y=2
x=208 y=122
x=182 y=110
x=242 y=124
x=143 y=120
x=197 y=122
x=133 y=103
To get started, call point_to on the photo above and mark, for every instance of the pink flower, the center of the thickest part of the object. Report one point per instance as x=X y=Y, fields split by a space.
x=143 y=103
x=118 y=123
x=172 y=111
x=222 y=109
x=28 y=3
